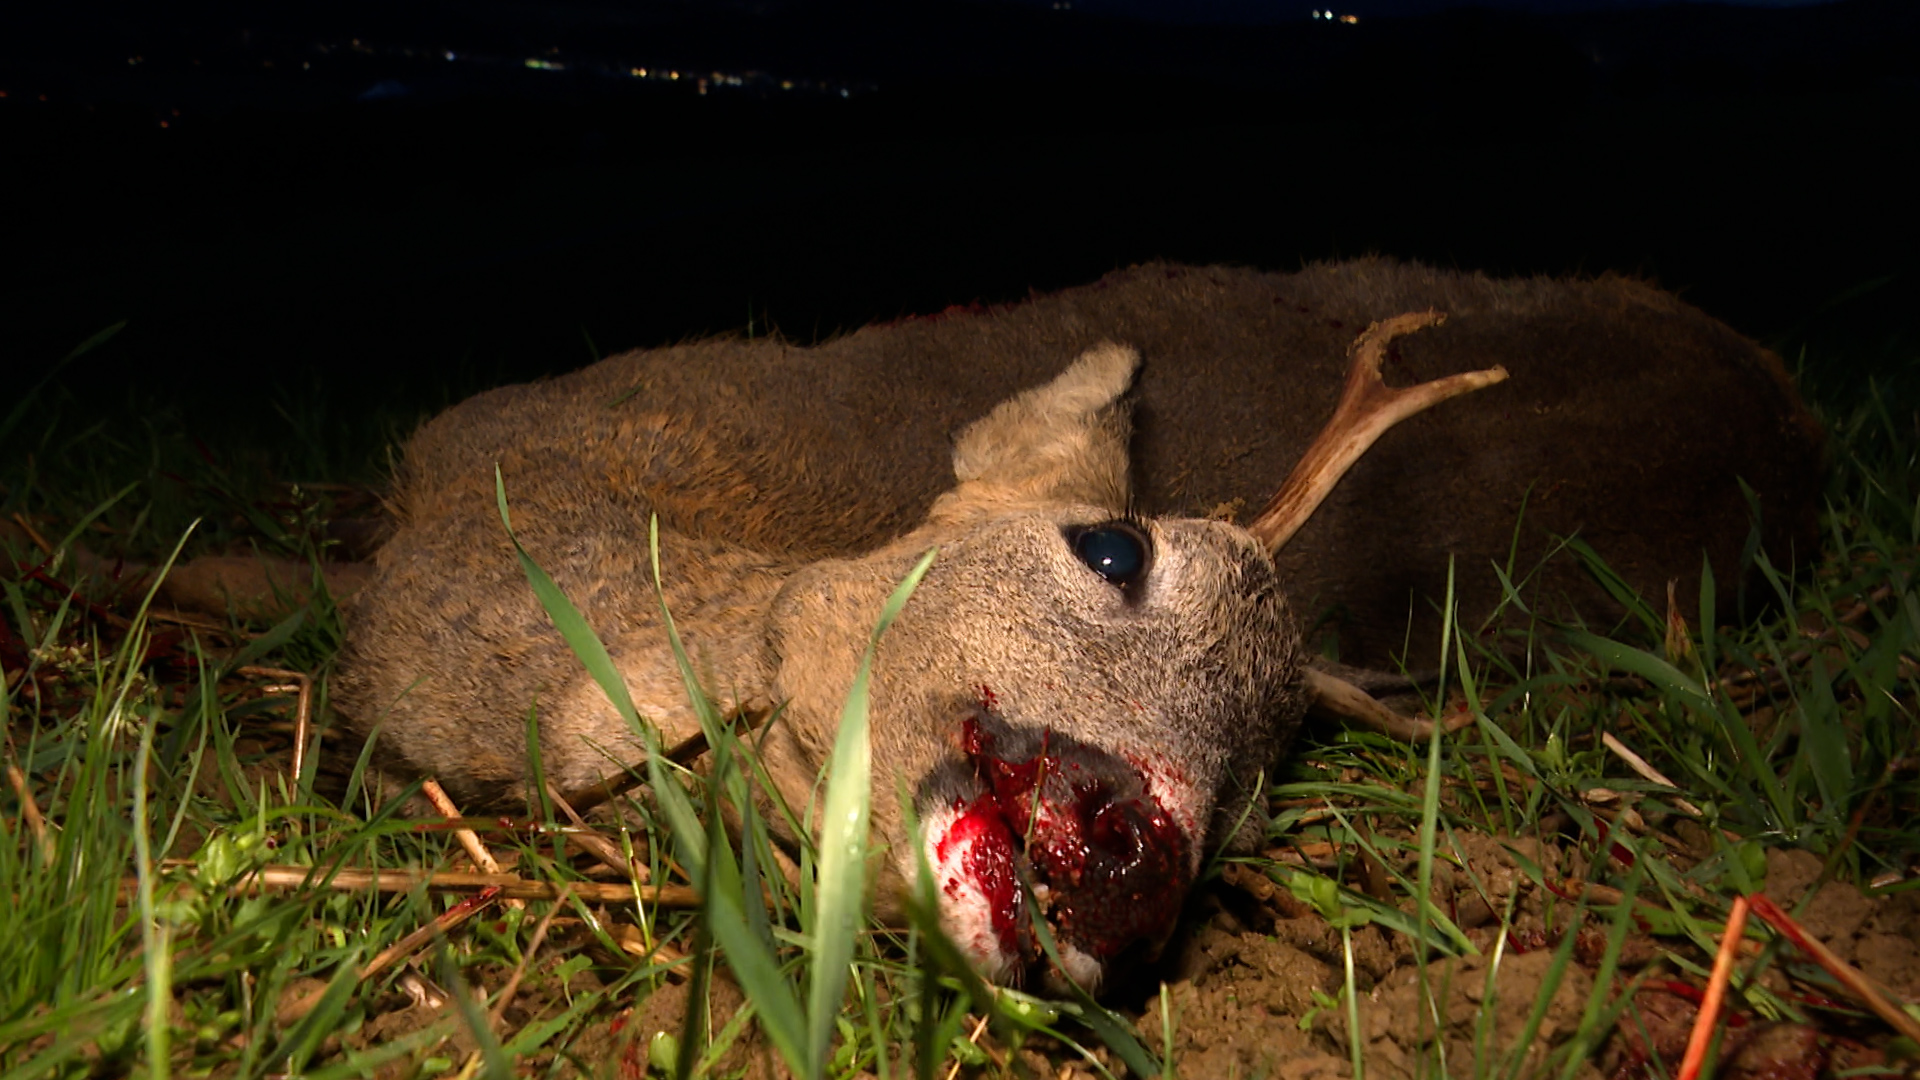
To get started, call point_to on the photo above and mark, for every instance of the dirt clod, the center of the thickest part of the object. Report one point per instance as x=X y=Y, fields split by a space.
x=1481 y=1021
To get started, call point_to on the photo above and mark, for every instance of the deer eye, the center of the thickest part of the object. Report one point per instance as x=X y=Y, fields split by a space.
x=1116 y=550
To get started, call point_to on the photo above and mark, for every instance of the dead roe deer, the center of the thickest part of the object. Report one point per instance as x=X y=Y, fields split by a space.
x=1100 y=664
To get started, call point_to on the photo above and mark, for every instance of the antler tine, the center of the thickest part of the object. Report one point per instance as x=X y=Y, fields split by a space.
x=1368 y=407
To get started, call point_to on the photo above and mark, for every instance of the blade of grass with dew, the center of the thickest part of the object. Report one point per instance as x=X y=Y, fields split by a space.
x=842 y=888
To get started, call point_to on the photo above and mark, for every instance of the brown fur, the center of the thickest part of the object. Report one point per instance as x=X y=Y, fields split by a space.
x=795 y=486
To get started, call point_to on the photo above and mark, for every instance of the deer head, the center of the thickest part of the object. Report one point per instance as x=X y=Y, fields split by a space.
x=1072 y=695
x=1076 y=698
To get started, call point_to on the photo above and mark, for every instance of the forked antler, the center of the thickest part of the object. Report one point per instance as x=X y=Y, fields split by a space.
x=1368 y=407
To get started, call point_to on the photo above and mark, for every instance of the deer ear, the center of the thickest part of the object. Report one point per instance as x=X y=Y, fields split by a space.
x=1065 y=442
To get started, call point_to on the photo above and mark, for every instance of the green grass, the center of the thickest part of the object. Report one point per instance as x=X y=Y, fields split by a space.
x=153 y=778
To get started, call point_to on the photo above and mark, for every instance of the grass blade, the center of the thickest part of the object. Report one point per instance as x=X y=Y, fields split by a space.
x=20 y=407
x=707 y=856
x=157 y=946
x=572 y=625
x=1661 y=674
x=842 y=889
x=1692 y=694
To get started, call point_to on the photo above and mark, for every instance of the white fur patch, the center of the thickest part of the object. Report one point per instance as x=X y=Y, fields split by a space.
x=966 y=912
x=1081 y=968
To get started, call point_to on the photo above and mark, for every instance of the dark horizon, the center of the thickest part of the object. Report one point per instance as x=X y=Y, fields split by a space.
x=383 y=215
x=100 y=49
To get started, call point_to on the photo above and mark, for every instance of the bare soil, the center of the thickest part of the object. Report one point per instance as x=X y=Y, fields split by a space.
x=1256 y=983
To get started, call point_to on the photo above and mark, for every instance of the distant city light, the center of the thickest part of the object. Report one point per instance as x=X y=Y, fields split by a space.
x=1328 y=15
x=581 y=64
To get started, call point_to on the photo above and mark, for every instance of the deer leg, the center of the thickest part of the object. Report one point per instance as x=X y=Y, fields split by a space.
x=1368 y=407
x=244 y=586
x=1338 y=698
x=257 y=587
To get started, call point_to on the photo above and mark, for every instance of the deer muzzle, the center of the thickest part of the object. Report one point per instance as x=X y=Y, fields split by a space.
x=1100 y=847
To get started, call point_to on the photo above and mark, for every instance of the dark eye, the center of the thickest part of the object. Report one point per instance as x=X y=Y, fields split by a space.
x=1116 y=550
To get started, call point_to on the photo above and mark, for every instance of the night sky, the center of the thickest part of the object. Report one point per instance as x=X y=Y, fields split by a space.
x=409 y=201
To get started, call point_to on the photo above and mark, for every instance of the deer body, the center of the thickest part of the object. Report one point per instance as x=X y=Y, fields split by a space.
x=1093 y=674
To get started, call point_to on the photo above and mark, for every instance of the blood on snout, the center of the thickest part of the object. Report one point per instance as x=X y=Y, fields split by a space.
x=1108 y=861
x=980 y=833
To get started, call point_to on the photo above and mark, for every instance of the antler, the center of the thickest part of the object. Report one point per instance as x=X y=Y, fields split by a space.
x=1368 y=407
